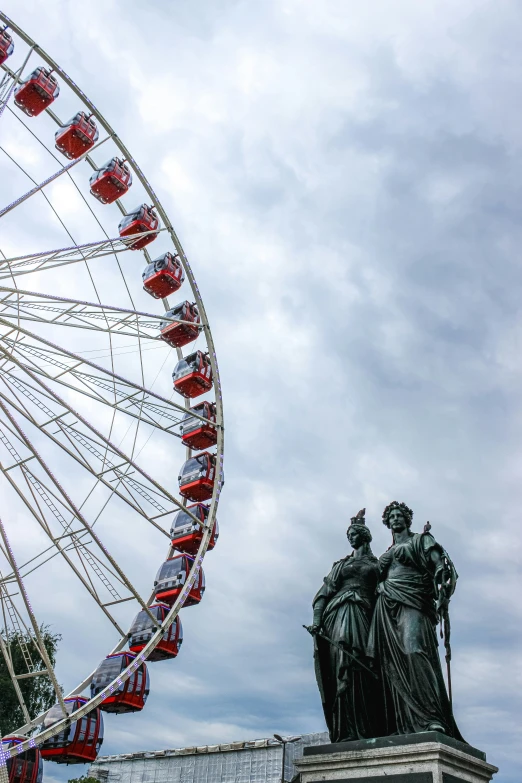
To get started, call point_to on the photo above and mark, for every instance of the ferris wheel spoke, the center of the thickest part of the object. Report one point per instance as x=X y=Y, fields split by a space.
x=38 y=492
x=38 y=560
x=50 y=259
x=87 y=203
x=38 y=641
x=38 y=187
x=90 y=448
x=14 y=624
x=118 y=203
x=79 y=313
x=73 y=510
x=18 y=304
x=102 y=385
x=137 y=405
x=10 y=610
x=11 y=671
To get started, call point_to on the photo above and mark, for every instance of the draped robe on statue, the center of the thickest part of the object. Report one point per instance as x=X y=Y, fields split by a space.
x=348 y=693
x=403 y=640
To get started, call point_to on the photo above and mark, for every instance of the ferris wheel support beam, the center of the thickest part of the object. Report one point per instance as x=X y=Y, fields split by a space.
x=38 y=637
x=14 y=678
x=16 y=619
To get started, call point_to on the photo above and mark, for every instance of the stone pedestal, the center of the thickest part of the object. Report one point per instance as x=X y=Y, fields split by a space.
x=430 y=757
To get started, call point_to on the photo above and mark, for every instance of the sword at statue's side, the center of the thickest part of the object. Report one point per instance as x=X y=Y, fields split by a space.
x=341 y=648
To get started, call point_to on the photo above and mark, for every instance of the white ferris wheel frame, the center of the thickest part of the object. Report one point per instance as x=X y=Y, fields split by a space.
x=23 y=304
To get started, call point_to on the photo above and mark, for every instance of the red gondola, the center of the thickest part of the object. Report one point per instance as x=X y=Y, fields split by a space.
x=197 y=477
x=141 y=219
x=111 y=182
x=78 y=743
x=192 y=375
x=142 y=629
x=197 y=434
x=179 y=334
x=27 y=767
x=163 y=276
x=6 y=45
x=77 y=136
x=37 y=92
x=186 y=534
x=129 y=696
x=171 y=578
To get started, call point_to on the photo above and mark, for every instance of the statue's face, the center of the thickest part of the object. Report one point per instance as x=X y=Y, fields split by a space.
x=355 y=537
x=397 y=520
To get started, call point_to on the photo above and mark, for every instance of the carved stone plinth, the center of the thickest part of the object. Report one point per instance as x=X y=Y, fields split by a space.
x=430 y=757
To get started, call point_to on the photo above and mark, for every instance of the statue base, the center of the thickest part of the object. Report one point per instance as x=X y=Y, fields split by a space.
x=429 y=757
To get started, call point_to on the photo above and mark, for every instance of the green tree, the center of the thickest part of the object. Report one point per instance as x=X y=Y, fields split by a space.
x=84 y=779
x=38 y=692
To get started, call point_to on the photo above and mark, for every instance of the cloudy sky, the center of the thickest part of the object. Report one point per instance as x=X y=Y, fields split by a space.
x=346 y=181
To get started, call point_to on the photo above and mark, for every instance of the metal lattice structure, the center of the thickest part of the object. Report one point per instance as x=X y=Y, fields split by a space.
x=76 y=420
x=253 y=761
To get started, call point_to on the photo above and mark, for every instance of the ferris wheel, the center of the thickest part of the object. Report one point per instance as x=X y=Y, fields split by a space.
x=111 y=418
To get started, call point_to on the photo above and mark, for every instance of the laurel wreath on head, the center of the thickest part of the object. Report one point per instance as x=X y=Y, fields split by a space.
x=408 y=513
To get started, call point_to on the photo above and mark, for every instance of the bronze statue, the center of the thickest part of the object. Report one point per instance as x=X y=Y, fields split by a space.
x=341 y=622
x=375 y=644
x=417 y=578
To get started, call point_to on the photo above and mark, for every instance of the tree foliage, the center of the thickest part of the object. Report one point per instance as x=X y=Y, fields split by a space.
x=38 y=692
x=84 y=779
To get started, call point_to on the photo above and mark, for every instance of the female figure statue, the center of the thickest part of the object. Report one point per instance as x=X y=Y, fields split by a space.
x=414 y=575
x=342 y=612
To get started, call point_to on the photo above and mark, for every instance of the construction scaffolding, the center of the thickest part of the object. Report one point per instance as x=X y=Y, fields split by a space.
x=254 y=761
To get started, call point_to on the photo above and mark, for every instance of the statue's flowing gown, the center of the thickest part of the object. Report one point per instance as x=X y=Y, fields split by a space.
x=349 y=694
x=403 y=640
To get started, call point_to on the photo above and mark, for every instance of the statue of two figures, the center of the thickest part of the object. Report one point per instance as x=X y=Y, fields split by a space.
x=375 y=634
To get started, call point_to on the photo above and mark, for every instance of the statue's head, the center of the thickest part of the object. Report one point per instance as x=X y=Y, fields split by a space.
x=358 y=534
x=397 y=516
